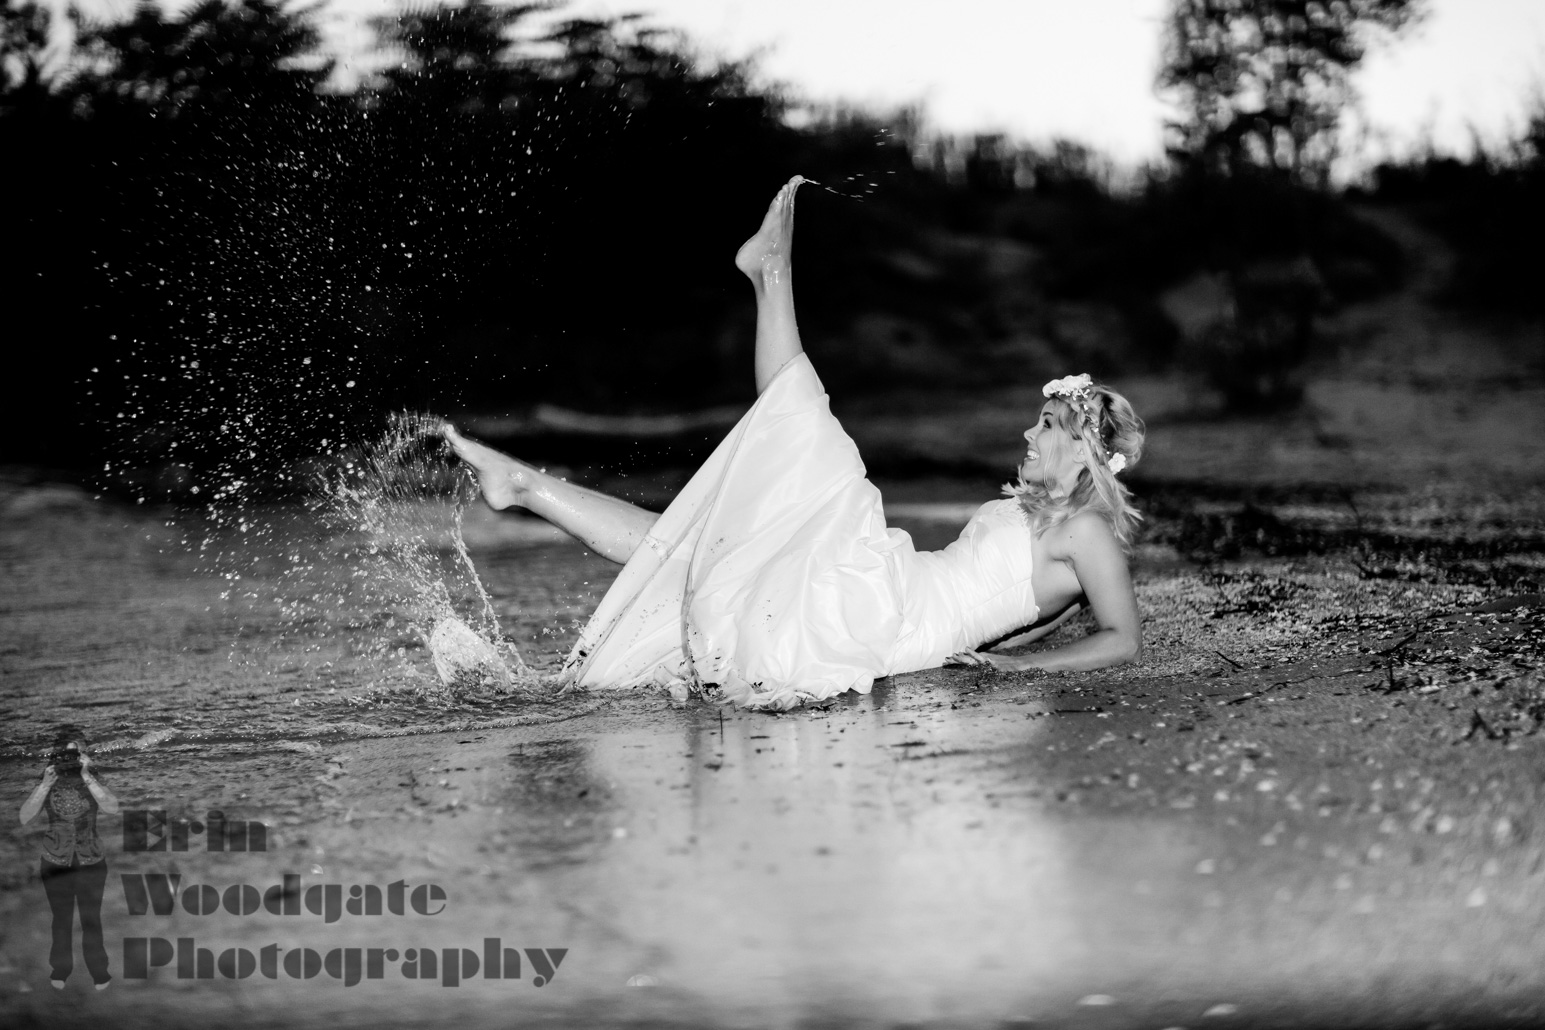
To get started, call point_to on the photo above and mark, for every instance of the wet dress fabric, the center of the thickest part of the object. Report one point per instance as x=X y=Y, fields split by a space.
x=773 y=575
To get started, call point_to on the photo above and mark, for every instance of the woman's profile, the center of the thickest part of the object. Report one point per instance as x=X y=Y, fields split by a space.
x=74 y=864
x=773 y=577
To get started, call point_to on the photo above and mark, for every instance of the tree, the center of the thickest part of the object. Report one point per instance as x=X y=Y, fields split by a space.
x=217 y=54
x=510 y=161
x=24 y=32
x=1262 y=83
x=456 y=58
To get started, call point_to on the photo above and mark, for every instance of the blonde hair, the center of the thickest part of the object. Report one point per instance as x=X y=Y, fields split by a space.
x=1118 y=431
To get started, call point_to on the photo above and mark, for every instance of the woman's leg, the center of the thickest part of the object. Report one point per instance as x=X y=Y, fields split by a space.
x=767 y=259
x=60 y=888
x=90 y=884
x=611 y=527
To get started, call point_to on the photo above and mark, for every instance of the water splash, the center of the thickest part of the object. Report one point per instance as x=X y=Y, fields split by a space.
x=402 y=497
x=850 y=187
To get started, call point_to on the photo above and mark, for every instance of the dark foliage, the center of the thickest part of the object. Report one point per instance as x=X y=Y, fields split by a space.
x=1283 y=253
x=196 y=219
x=1490 y=209
x=1262 y=85
x=208 y=242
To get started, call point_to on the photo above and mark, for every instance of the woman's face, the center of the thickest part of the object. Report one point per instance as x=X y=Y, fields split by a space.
x=1051 y=455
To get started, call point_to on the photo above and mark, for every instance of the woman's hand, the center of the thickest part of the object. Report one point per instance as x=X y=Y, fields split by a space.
x=1086 y=543
x=1003 y=662
x=85 y=764
x=50 y=775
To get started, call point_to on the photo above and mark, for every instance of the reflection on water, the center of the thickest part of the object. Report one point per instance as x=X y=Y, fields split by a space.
x=828 y=856
x=843 y=862
x=896 y=858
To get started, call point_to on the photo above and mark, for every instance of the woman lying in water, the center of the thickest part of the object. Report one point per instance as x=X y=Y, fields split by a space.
x=773 y=576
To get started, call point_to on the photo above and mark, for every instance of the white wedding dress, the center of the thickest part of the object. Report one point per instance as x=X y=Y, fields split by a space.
x=773 y=574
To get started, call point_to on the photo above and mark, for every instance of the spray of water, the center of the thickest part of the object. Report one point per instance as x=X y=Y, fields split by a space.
x=403 y=496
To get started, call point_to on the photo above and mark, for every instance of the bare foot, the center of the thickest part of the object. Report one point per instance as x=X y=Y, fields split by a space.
x=767 y=255
x=503 y=479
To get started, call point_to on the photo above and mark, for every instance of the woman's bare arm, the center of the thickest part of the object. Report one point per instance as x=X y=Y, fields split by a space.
x=1102 y=573
x=105 y=799
x=34 y=803
x=1037 y=630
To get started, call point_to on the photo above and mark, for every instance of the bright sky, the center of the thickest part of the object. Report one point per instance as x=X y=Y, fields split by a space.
x=1085 y=69
x=1081 y=69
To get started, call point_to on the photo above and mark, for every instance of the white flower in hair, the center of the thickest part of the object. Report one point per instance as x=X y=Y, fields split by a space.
x=1118 y=461
x=1076 y=387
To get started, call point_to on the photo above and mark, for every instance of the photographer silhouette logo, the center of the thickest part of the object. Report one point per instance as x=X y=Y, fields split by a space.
x=73 y=864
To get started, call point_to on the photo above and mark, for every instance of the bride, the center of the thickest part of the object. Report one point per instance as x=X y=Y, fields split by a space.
x=773 y=576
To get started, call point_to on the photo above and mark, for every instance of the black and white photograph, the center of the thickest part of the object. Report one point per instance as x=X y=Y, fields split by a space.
x=454 y=572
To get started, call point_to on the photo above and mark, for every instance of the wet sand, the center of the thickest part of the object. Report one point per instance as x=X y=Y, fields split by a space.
x=1313 y=803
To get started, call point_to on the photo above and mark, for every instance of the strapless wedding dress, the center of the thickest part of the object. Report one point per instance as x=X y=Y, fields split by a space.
x=773 y=575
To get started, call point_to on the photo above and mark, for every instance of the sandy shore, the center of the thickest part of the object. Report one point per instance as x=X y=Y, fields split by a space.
x=1314 y=802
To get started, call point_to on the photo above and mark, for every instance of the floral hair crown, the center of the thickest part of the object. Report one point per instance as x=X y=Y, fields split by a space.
x=1078 y=392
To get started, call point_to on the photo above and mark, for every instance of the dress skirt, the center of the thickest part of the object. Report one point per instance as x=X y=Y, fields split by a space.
x=771 y=575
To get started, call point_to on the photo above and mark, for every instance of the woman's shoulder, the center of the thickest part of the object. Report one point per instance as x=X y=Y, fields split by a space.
x=1084 y=532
